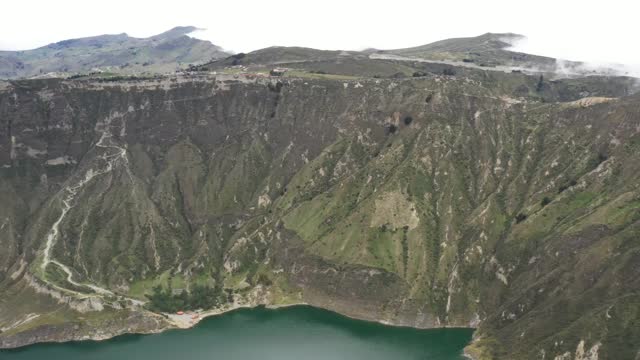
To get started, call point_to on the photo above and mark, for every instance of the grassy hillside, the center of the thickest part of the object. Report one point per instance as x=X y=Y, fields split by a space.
x=485 y=50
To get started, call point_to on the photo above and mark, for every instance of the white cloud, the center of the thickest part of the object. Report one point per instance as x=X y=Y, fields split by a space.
x=577 y=30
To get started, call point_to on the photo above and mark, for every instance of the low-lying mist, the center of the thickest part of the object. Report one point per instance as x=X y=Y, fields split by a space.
x=569 y=68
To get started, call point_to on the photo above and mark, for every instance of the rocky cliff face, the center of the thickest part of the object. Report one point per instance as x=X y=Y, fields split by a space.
x=438 y=201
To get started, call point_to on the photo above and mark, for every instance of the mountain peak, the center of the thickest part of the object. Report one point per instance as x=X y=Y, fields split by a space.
x=119 y=53
x=176 y=32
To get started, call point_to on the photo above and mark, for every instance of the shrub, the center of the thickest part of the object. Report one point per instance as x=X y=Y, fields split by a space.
x=520 y=218
x=448 y=72
x=76 y=76
x=390 y=129
x=428 y=98
x=201 y=297
x=540 y=85
x=564 y=187
x=597 y=160
x=275 y=88
x=545 y=201
x=264 y=280
x=408 y=120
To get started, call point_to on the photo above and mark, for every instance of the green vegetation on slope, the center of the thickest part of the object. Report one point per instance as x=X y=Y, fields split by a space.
x=199 y=297
x=495 y=206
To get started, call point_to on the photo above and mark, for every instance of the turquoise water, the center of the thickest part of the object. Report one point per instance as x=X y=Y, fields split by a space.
x=299 y=332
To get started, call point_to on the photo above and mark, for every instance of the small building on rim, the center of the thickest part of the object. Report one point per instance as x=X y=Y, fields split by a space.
x=277 y=72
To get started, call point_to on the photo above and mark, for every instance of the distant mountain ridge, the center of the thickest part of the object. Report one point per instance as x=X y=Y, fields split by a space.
x=121 y=54
x=489 y=49
x=118 y=53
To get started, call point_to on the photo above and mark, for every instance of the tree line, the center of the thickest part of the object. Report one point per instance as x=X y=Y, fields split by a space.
x=200 y=297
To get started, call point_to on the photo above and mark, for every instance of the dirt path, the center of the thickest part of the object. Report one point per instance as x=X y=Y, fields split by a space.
x=70 y=192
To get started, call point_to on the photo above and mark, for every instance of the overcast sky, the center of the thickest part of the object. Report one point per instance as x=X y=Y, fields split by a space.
x=597 y=31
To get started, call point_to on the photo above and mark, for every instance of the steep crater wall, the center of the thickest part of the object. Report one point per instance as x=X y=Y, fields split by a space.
x=440 y=201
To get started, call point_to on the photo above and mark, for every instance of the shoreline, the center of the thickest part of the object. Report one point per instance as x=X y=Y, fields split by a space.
x=216 y=312
x=180 y=324
x=174 y=323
